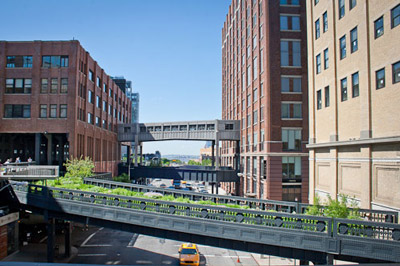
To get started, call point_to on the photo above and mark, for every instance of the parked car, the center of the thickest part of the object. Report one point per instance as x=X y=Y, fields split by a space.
x=189 y=254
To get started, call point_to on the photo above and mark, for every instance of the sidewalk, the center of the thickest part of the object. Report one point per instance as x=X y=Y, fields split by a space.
x=37 y=252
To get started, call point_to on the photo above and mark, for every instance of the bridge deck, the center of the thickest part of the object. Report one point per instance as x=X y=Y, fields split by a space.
x=319 y=235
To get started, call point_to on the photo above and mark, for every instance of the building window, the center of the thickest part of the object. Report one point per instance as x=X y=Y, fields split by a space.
x=255 y=117
x=24 y=61
x=262 y=60
x=105 y=88
x=53 y=110
x=64 y=85
x=104 y=106
x=378 y=27
x=98 y=121
x=284 y=53
x=262 y=89
x=90 y=118
x=262 y=113
x=319 y=100
x=326 y=58
x=248 y=76
x=325 y=21
x=317 y=29
x=396 y=72
x=285 y=110
x=354 y=40
x=44 y=85
x=261 y=32
x=296 y=53
x=289 y=22
x=343 y=47
x=297 y=110
x=255 y=19
x=97 y=101
x=290 y=84
x=43 y=111
x=327 y=101
x=54 y=86
x=343 y=85
x=90 y=96
x=291 y=139
x=291 y=167
x=17 y=110
x=54 y=61
x=248 y=120
x=355 y=85
x=380 y=78
x=255 y=95
x=289 y=2
x=18 y=86
x=318 y=59
x=63 y=111
x=352 y=4
x=395 y=16
x=316 y=2
x=255 y=70
x=341 y=9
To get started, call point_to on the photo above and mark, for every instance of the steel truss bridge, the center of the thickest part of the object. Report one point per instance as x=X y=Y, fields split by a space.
x=307 y=238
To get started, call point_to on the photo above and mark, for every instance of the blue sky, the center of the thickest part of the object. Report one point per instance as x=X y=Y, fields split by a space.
x=170 y=49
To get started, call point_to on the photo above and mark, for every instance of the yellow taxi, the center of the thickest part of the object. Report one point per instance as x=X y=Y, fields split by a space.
x=189 y=254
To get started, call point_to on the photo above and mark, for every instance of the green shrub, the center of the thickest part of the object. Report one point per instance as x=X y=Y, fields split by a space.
x=122 y=178
x=79 y=167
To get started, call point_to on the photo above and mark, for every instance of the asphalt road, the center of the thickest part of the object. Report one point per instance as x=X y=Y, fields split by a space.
x=104 y=246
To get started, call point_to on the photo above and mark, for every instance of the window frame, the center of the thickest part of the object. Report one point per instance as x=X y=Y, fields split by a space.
x=354 y=48
x=394 y=72
x=392 y=19
x=343 y=90
x=342 y=46
x=376 y=34
x=319 y=99
x=355 y=87
x=377 y=72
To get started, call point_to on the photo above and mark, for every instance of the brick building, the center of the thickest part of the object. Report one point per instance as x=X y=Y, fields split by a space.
x=354 y=74
x=56 y=102
x=264 y=84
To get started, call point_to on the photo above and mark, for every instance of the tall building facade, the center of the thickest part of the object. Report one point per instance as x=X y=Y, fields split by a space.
x=354 y=85
x=56 y=102
x=264 y=84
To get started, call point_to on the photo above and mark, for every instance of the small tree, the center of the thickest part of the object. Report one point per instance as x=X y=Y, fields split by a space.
x=79 y=167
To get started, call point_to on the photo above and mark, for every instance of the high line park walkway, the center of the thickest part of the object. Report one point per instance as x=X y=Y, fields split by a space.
x=308 y=238
x=206 y=130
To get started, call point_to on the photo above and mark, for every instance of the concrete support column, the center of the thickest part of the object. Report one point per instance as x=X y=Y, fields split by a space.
x=37 y=148
x=312 y=177
x=212 y=154
x=217 y=154
x=335 y=172
x=141 y=153
x=67 y=239
x=50 y=239
x=49 y=138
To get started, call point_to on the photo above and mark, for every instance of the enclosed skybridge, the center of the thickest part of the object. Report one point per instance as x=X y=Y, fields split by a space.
x=212 y=130
x=205 y=130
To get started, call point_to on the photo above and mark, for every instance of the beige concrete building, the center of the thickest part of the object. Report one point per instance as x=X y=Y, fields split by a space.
x=354 y=95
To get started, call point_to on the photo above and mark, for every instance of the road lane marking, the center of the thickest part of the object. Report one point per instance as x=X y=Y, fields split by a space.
x=91 y=255
x=90 y=237
x=43 y=239
x=132 y=242
x=96 y=245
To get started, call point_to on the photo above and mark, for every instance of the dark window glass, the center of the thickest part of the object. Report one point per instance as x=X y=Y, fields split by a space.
x=325 y=21
x=63 y=110
x=343 y=84
x=327 y=101
x=326 y=58
x=380 y=78
x=396 y=72
x=46 y=61
x=355 y=85
x=43 y=111
x=395 y=14
x=291 y=139
x=318 y=59
x=64 y=85
x=319 y=99
x=53 y=110
x=341 y=9
x=354 y=40
x=18 y=86
x=317 y=29
x=19 y=61
x=91 y=76
x=316 y=2
x=64 y=61
x=352 y=3
x=343 y=47
x=90 y=96
x=54 y=86
x=379 y=27
x=44 y=85
x=17 y=111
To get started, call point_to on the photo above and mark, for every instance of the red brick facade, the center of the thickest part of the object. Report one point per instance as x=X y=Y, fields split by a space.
x=252 y=77
x=83 y=138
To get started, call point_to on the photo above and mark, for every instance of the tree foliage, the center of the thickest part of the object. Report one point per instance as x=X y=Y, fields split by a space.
x=344 y=207
x=79 y=167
